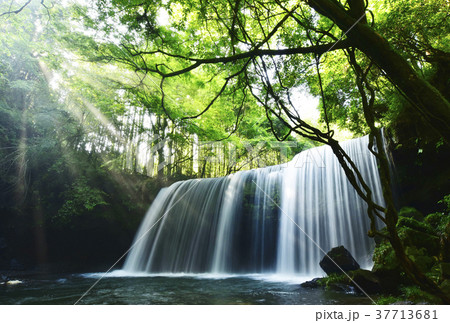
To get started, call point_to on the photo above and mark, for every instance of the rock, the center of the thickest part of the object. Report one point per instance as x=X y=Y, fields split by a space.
x=360 y=281
x=391 y=279
x=365 y=281
x=341 y=257
x=415 y=225
x=339 y=287
x=419 y=240
x=314 y=283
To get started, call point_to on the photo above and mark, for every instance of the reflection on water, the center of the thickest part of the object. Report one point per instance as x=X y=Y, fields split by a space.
x=116 y=288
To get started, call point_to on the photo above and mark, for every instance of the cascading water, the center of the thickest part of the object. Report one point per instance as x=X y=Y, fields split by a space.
x=269 y=220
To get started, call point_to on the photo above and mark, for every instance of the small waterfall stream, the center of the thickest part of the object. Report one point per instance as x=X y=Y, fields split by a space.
x=244 y=223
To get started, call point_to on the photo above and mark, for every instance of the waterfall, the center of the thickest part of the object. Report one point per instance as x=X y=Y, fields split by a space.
x=277 y=219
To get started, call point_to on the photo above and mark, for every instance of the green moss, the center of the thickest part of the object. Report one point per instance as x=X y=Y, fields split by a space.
x=416 y=295
x=410 y=212
x=421 y=257
x=433 y=219
x=439 y=221
x=384 y=257
x=334 y=279
x=418 y=239
x=386 y=300
x=426 y=243
x=414 y=224
x=409 y=294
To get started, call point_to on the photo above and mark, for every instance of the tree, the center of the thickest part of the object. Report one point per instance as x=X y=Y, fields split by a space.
x=346 y=52
x=55 y=189
x=269 y=48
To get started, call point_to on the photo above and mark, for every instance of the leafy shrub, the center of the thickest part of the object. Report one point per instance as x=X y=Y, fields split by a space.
x=80 y=198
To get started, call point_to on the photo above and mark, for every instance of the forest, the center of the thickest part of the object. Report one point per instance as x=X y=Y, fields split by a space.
x=104 y=103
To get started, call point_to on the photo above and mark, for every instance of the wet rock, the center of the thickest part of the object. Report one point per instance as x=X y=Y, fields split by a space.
x=341 y=287
x=341 y=259
x=314 y=283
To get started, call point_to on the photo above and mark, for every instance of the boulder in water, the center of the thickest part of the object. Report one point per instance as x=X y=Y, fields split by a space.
x=337 y=260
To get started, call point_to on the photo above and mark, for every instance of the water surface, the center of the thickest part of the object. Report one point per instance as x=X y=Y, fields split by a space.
x=177 y=289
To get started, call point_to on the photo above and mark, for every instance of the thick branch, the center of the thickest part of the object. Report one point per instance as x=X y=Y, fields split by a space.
x=319 y=49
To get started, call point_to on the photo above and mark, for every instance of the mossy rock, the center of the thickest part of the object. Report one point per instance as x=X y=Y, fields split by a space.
x=404 y=222
x=410 y=212
x=337 y=282
x=334 y=279
x=337 y=260
x=418 y=239
x=312 y=284
x=391 y=280
x=365 y=281
x=387 y=268
x=433 y=219
x=359 y=280
x=421 y=258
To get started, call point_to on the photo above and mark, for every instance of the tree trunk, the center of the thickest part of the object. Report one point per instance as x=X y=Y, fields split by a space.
x=426 y=99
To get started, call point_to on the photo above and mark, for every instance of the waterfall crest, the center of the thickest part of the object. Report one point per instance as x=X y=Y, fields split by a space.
x=268 y=220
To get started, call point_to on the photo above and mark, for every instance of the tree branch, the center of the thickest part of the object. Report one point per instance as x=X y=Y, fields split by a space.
x=15 y=11
x=319 y=49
